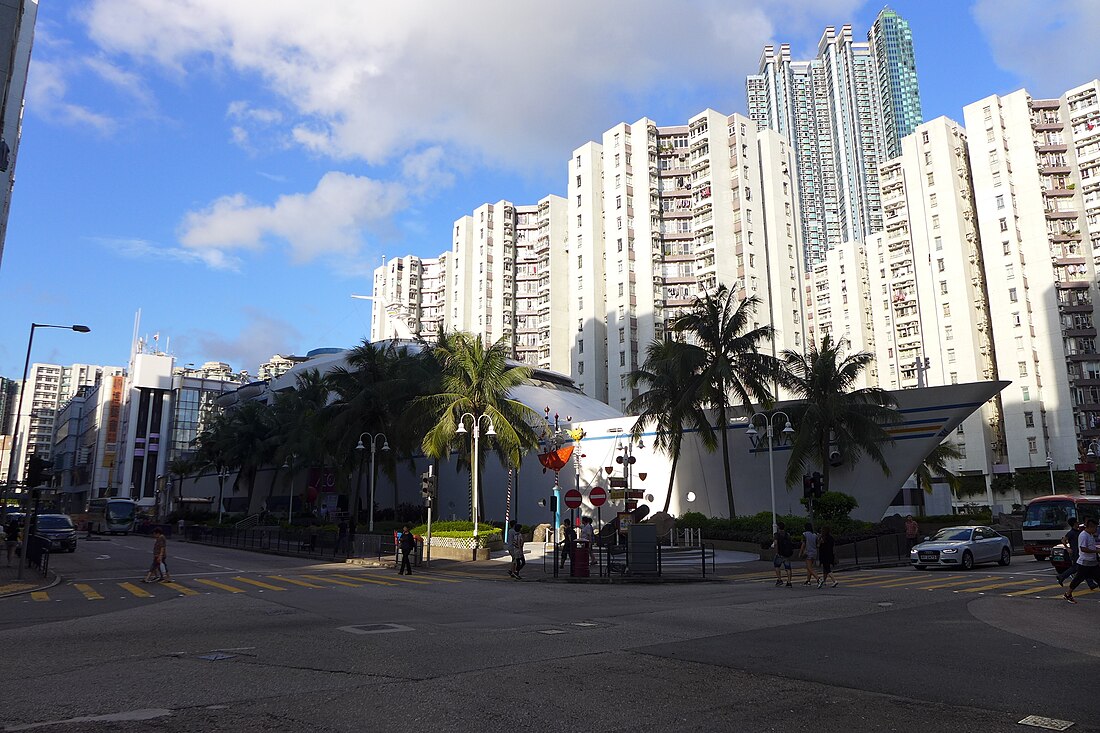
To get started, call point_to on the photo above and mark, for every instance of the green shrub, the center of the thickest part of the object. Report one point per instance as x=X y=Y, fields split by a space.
x=459 y=528
x=832 y=506
x=692 y=520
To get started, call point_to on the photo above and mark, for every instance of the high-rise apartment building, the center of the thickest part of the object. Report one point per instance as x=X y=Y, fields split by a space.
x=664 y=214
x=842 y=112
x=891 y=43
x=17 y=18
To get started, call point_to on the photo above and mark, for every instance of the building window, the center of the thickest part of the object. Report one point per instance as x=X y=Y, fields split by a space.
x=943 y=287
x=1032 y=447
x=580 y=347
x=1029 y=419
x=1004 y=224
x=932 y=201
x=935 y=221
x=947 y=310
x=622 y=358
x=1006 y=248
x=924 y=137
x=619 y=202
x=622 y=335
x=580 y=367
x=950 y=356
x=1010 y=272
x=948 y=333
x=939 y=243
x=939 y=266
x=1023 y=368
x=1000 y=201
x=955 y=380
x=1025 y=394
x=1012 y=295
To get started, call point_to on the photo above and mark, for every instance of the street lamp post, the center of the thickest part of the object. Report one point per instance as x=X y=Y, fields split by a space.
x=290 y=505
x=753 y=435
x=223 y=474
x=476 y=424
x=373 y=450
x=15 y=442
x=1050 y=468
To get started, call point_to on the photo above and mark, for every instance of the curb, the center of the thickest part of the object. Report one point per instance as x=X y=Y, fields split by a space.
x=56 y=581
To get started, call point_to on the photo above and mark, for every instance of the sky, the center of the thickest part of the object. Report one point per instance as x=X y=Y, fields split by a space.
x=236 y=170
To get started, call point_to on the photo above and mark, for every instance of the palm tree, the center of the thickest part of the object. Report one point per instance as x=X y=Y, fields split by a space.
x=252 y=426
x=475 y=379
x=733 y=368
x=298 y=433
x=671 y=377
x=834 y=418
x=935 y=464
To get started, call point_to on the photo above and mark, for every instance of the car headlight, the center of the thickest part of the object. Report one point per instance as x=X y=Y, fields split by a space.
x=949 y=551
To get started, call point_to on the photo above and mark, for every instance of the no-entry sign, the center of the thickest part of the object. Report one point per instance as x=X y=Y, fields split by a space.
x=597 y=496
x=573 y=498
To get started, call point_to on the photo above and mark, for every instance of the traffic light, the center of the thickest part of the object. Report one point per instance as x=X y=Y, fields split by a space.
x=428 y=484
x=807 y=486
x=817 y=485
x=38 y=470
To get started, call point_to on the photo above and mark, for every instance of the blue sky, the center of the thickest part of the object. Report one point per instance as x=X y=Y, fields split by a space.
x=237 y=170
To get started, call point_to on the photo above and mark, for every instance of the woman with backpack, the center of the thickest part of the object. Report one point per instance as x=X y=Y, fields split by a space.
x=784 y=548
x=826 y=554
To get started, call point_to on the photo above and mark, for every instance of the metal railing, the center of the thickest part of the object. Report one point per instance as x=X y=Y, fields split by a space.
x=314 y=544
x=38 y=553
x=895 y=548
x=248 y=522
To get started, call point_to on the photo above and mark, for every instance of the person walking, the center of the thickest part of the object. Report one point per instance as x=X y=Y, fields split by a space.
x=912 y=530
x=11 y=539
x=588 y=534
x=515 y=549
x=809 y=552
x=407 y=544
x=568 y=544
x=1070 y=541
x=784 y=548
x=158 y=571
x=826 y=553
x=1088 y=565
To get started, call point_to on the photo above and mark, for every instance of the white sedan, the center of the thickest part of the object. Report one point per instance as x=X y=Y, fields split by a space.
x=961 y=547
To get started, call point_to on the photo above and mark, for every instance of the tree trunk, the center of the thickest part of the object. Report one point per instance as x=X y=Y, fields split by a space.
x=671 y=480
x=724 y=428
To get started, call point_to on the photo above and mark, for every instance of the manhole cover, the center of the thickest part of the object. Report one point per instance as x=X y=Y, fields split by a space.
x=375 y=628
x=551 y=632
x=216 y=657
x=1038 y=721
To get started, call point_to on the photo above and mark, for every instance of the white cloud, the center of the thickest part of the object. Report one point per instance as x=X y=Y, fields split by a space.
x=330 y=219
x=261 y=336
x=519 y=84
x=1052 y=47
x=47 y=88
x=141 y=249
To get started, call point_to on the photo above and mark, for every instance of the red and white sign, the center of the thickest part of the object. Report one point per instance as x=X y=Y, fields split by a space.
x=597 y=496
x=573 y=498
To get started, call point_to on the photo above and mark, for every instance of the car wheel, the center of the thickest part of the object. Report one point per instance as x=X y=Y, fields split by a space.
x=1006 y=557
x=968 y=561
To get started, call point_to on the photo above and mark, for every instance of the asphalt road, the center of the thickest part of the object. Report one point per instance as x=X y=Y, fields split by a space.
x=272 y=643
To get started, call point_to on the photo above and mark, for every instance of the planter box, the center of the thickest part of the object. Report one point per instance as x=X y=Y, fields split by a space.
x=459 y=553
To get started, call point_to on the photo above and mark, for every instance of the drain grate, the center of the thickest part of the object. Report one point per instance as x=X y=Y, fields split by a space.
x=1038 y=721
x=375 y=628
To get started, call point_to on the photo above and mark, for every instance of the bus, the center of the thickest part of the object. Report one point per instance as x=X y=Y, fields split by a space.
x=1046 y=520
x=111 y=515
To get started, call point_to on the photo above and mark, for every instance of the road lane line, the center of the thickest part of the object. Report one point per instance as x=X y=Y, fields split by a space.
x=339 y=582
x=219 y=586
x=1078 y=592
x=302 y=583
x=991 y=586
x=398 y=579
x=1033 y=591
x=133 y=589
x=258 y=583
x=181 y=589
x=40 y=595
x=89 y=592
x=890 y=582
x=364 y=579
x=957 y=583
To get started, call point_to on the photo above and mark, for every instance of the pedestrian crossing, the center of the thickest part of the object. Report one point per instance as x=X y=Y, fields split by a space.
x=255 y=583
x=1020 y=585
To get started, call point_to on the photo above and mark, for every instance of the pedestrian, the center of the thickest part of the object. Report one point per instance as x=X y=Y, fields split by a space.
x=1088 y=567
x=407 y=543
x=158 y=571
x=784 y=548
x=912 y=530
x=568 y=544
x=826 y=554
x=809 y=552
x=341 y=536
x=180 y=525
x=1070 y=541
x=11 y=538
x=588 y=534
x=515 y=549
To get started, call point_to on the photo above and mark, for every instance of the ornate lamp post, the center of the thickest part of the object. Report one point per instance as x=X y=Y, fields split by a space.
x=475 y=421
x=1050 y=468
x=754 y=436
x=373 y=450
x=223 y=474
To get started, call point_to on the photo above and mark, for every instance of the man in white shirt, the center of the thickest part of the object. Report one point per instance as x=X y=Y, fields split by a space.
x=1086 y=558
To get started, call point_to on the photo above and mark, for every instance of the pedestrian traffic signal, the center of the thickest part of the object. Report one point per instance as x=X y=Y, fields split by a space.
x=807 y=486
x=817 y=485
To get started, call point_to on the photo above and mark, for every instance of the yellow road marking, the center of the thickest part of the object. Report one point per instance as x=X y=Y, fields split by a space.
x=89 y=592
x=991 y=586
x=1032 y=591
x=1079 y=592
x=968 y=581
x=139 y=592
x=363 y=579
x=40 y=595
x=398 y=578
x=219 y=586
x=892 y=582
x=302 y=583
x=182 y=589
x=258 y=583
x=338 y=582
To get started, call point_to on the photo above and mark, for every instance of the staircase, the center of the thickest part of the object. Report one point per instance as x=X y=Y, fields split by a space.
x=248 y=522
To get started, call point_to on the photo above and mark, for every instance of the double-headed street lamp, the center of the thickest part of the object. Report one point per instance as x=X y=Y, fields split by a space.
x=1050 y=468
x=461 y=430
x=290 y=505
x=373 y=450
x=788 y=430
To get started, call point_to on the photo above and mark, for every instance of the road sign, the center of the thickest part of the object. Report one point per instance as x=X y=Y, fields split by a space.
x=617 y=482
x=597 y=496
x=618 y=494
x=573 y=498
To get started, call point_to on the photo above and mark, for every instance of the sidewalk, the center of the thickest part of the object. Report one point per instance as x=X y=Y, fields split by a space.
x=32 y=580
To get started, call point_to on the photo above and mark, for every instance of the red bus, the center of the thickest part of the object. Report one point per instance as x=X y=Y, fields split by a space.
x=1046 y=520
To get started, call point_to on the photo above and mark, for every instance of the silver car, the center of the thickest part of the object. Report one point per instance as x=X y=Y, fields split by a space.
x=961 y=547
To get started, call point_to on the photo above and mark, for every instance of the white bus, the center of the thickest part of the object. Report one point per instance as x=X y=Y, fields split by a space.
x=111 y=515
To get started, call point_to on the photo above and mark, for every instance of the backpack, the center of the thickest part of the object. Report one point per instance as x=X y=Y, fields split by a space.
x=783 y=544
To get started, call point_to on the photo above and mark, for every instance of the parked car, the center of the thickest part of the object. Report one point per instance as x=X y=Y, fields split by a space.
x=962 y=547
x=58 y=529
